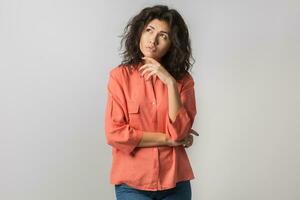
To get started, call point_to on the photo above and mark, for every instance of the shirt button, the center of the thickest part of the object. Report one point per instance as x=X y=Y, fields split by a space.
x=153 y=102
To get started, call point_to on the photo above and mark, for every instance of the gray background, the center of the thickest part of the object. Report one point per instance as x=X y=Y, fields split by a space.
x=55 y=56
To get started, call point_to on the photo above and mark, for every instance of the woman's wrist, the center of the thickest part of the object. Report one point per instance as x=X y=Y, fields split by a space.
x=167 y=140
x=170 y=142
x=171 y=82
x=150 y=139
x=154 y=139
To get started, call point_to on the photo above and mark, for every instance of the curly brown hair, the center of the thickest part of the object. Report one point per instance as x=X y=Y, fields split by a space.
x=177 y=61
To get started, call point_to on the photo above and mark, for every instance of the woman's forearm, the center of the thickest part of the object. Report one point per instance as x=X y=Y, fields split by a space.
x=173 y=99
x=157 y=138
x=150 y=139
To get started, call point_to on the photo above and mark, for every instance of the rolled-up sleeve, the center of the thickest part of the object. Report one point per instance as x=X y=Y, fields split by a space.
x=185 y=116
x=119 y=133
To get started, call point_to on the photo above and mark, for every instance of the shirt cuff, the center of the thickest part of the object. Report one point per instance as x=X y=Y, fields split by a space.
x=134 y=141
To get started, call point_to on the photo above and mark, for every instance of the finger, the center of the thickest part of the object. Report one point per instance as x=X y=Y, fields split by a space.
x=185 y=144
x=189 y=144
x=194 y=132
x=145 y=66
x=189 y=141
x=149 y=75
x=145 y=71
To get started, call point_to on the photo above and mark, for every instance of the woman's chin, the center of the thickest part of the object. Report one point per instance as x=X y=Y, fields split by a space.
x=150 y=56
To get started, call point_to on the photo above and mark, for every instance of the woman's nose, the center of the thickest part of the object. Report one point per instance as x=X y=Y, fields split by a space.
x=153 y=39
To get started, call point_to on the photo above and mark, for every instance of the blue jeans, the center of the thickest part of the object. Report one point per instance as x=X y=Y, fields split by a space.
x=182 y=191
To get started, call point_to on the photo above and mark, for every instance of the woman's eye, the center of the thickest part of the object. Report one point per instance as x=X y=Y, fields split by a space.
x=164 y=36
x=148 y=29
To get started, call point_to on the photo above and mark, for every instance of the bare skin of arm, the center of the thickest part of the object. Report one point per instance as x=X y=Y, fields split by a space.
x=160 y=139
x=153 y=68
x=174 y=104
x=173 y=98
x=151 y=139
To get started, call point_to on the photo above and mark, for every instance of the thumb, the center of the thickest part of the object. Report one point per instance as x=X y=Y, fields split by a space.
x=194 y=132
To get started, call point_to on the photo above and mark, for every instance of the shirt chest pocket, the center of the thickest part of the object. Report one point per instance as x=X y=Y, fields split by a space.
x=134 y=114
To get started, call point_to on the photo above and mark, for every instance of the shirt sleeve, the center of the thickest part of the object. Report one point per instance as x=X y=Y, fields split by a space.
x=119 y=133
x=185 y=116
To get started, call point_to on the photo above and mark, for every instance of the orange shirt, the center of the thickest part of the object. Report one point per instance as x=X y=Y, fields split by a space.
x=135 y=105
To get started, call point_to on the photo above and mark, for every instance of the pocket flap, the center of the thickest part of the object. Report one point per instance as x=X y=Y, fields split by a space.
x=133 y=107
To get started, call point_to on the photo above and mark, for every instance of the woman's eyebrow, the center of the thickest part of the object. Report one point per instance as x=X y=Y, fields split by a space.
x=160 y=31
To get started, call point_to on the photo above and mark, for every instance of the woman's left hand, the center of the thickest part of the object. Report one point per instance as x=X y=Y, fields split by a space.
x=188 y=140
x=154 y=68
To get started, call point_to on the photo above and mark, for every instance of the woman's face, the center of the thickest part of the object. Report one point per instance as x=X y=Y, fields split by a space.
x=155 y=40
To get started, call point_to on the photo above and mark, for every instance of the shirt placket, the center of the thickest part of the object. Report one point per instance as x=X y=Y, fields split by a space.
x=156 y=163
x=153 y=98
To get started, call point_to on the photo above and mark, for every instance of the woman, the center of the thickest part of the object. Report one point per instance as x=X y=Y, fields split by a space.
x=151 y=108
